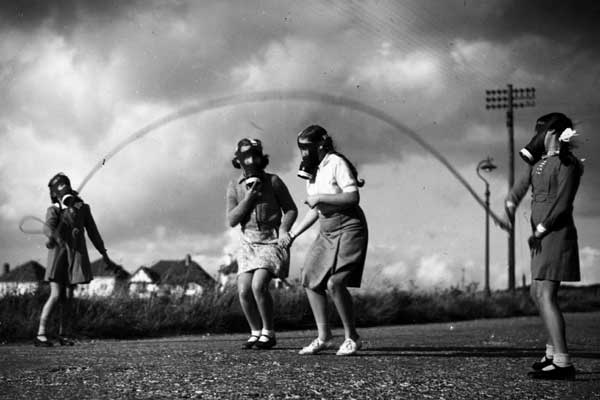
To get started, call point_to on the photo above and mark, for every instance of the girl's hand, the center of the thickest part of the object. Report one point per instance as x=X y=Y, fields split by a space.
x=252 y=193
x=312 y=200
x=505 y=222
x=286 y=240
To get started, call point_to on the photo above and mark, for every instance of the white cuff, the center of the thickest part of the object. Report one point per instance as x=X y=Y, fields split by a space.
x=540 y=228
x=509 y=204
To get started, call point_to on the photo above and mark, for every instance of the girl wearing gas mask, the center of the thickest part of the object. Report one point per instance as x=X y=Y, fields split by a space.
x=68 y=260
x=262 y=205
x=337 y=256
x=554 y=178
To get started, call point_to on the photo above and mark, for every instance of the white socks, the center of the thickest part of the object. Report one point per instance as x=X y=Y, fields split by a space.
x=562 y=360
x=549 y=351
x=266 y=333
x=254 y=337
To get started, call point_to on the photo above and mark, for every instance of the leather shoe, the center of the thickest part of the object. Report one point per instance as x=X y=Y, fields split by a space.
x=266 y=344
x=554 y=373
x=250 y=343
x=65 y=341
x=543 y=363
x=42 y=343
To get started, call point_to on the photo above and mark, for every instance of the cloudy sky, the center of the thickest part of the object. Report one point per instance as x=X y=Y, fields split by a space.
x=79 y=77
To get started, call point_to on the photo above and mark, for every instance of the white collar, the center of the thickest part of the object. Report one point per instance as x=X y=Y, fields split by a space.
x=551 y=154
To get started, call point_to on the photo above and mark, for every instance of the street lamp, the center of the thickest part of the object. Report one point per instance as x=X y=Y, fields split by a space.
x=486 y=165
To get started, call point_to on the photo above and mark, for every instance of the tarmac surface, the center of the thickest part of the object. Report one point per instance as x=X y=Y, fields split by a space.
x=482 y=359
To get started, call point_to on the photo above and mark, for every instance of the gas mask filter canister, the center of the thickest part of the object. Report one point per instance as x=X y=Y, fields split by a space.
x=535 y=149
x=60 y=190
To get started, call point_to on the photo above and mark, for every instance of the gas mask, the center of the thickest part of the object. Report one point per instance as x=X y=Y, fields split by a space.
x=310 y=161
x=251 y=165
x=249 y=157
x=61 y=191
x=314 y=143
x=535 y=149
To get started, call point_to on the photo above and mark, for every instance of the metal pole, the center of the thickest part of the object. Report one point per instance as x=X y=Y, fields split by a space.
x=510 y=98
x=487 y=166
x=487 y=240
x=511 y=181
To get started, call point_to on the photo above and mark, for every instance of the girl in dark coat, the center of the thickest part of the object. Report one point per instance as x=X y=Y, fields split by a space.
x=68 y=260
x=554 y=178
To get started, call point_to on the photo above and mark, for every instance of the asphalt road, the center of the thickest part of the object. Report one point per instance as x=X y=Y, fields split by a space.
x=466 y=360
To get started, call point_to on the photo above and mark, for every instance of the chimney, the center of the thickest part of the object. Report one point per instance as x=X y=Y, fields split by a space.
x=6 y=268
x=188 y=260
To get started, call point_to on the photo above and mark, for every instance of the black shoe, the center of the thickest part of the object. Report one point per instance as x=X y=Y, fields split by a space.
x=266 y=344
x=543 y=363
x=65 y=341
x=566 y=373
x=42 y=343
x=250 y=343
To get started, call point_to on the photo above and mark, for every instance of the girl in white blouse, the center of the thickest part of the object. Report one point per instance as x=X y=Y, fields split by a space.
x=336 y=259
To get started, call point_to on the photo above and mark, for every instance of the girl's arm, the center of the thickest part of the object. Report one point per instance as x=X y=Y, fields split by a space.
x=309 y=219
x=333 y=201
x=519 y=189
x=92 y=231
x=514 y=197
x=346 y=181
x=287 y=205
x=568 y=182
x=51 y=227
x=239 y=211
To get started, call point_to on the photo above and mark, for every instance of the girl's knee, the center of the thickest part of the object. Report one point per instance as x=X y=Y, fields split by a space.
x=245 y=290
x=260 y=287
x=335 y=283
x=534 y=292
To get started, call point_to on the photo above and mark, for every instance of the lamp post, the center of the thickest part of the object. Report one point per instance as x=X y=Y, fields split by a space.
x=486 y=165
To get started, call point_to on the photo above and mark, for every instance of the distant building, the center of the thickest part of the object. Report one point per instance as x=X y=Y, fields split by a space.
x=171 y=277
x=227 y=273
x=143 y=282
x=25 y=278
x=106 y=282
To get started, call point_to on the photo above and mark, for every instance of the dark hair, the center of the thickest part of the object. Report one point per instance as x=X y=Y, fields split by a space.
x=318 y=134
x=53 y=182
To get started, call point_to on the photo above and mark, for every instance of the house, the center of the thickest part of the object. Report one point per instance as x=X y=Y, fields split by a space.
x=171 y=277
x=143 y=282
x=106 y=282
x=25 y=278
x=227 y=272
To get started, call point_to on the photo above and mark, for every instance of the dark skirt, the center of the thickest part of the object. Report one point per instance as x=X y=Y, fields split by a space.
x=558 y=259
x=340 y=246
x=67 y=266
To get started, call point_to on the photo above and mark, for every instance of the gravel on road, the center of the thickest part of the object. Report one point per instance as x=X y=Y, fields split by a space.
x=482 y=359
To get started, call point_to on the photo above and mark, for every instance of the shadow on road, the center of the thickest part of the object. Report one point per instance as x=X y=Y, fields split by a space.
x=466 y=351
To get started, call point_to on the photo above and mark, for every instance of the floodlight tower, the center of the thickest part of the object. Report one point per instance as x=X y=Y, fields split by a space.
x=510 y=98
